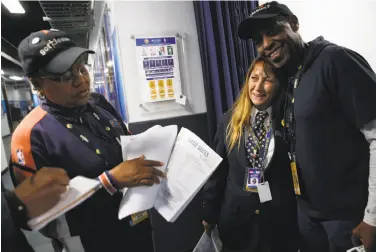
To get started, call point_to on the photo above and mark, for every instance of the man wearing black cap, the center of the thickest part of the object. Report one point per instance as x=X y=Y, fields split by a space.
x=80 y=134
x=330 y=125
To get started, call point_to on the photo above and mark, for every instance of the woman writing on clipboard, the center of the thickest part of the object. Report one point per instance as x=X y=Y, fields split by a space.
x=251 y=196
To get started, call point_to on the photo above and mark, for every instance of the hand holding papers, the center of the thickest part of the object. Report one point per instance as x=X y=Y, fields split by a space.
x=136 y=172
x=156 y=143
x=189 y=162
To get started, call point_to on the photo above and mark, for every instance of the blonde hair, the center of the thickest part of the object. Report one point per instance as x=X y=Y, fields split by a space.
x=241 y=110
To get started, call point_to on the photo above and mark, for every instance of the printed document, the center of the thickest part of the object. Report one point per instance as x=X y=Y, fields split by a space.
x=188 y=160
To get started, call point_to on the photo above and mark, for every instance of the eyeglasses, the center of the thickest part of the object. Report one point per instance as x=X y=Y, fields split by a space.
x=68 y=76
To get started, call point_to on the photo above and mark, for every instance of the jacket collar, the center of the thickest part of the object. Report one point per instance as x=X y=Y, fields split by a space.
x=254 y=112
x=72 y=114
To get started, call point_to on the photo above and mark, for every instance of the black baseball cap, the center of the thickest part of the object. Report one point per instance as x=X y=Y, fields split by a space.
x=52 y=51
x=264 y=11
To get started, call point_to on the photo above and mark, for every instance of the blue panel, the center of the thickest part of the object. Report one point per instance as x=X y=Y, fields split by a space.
x=35 y=100
x=3 y=106
x=109 y=83
x=155 y=41
x=118 y=76
x=115 y=54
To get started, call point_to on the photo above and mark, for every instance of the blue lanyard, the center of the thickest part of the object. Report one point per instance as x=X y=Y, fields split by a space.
x=263 y=151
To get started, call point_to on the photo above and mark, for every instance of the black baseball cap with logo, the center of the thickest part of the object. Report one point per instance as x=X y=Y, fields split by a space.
x=262 y=12
x=52 y=51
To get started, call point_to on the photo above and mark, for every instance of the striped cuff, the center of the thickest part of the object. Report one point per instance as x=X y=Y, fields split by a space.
x=106 y=182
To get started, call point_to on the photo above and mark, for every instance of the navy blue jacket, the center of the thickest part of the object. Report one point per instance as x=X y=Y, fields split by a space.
x=45 y=138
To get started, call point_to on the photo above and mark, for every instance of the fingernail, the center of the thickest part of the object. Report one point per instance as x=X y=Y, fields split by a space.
x=161 y=163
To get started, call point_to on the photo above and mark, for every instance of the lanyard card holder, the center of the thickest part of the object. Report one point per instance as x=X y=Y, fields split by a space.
x=264 y=192
x=253 y=179
x=295 y=177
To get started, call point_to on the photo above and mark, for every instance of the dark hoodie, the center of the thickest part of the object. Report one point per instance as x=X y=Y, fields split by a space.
x=335 y=98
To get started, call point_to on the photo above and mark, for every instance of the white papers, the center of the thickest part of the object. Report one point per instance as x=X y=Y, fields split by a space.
x=80 y=188
x=205 y=244
x=156 y=144
x=208 y=243
x=190 y=162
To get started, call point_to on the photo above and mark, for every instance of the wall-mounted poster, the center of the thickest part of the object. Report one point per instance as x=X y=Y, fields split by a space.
x=159 y=68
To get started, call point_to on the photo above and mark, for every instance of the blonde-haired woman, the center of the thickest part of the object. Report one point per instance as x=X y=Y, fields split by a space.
x=250 y=196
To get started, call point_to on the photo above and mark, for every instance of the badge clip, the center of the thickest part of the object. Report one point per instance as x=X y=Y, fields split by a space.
x=138 y=218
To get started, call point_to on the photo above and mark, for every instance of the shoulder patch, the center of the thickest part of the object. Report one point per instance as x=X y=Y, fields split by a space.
x=20 y=157
x=21 y=143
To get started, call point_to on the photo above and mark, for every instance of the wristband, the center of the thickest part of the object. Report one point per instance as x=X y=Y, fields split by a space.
x=112 y=180
x=106 y=182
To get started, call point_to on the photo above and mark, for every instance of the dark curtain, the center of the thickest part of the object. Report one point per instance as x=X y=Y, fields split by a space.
x=225 y=58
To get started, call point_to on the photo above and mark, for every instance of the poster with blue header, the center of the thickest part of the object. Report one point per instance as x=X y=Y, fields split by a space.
x=159 y=71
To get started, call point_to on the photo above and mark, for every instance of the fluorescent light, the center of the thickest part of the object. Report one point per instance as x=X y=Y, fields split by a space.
x=2 y=72
x=14 y=6
x=16 y=78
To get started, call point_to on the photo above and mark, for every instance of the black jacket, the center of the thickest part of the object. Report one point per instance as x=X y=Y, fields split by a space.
x=236 y=211
x=335 y=98
x=12 y=238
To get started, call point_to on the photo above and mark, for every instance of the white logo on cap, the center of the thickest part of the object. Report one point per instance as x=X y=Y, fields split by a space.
x=54 y=29
x=261 y=7
x=35 y=41
x=52 y=44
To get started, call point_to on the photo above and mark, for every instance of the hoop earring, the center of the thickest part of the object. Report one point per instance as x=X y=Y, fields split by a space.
x=41 y=95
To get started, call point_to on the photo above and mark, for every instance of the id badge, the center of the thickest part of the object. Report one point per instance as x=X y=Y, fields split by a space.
x=138 y=217
x=295 y=178
x=264 y=192
x=253 y=179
